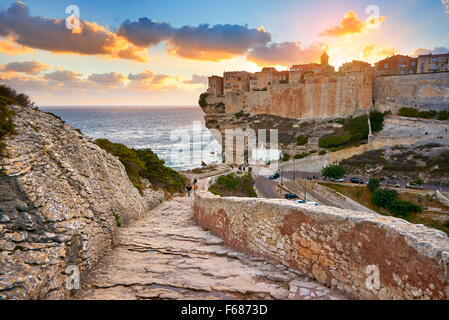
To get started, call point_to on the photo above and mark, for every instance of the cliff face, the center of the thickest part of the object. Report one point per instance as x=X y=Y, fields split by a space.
x=60 y=199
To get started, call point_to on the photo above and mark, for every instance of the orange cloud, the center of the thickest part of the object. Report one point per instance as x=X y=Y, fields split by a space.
x=52 y=35
x=446 y=5
x=8 y=47
x=374 y=51
x=352 y=25
x=285 y=54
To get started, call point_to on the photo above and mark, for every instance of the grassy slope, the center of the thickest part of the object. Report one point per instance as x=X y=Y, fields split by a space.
x=233 y=185
x=427 y=218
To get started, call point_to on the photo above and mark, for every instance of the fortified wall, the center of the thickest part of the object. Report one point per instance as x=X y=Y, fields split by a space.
x=429 y=91
x=337 y=95
x=341 y=95
x=364 y=255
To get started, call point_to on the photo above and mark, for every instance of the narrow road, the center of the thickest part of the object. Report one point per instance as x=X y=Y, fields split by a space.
x=166 y=255
x=267 y=187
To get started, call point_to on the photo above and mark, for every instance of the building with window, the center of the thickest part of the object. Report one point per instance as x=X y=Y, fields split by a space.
x=215 y=86
x=433 y=63
x=236 y=81
x=356 y=66
x=396 y=65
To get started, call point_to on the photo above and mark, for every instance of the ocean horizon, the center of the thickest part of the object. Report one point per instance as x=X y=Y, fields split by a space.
x=141 y=127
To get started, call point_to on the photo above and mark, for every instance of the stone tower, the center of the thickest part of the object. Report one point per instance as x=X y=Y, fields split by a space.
x=324 y=59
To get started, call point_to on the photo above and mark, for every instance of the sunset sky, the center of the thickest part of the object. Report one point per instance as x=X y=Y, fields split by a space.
x=152 y=52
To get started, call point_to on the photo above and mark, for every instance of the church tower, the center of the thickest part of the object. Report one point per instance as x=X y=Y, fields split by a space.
x=324 y=59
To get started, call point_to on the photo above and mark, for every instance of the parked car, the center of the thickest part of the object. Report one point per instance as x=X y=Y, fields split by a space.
x=392 y=184
x=290 y=196
x=274 y=176
x=357 y=181
x=312 y=203
x=414 y=186
x=338 y=180
x=301 y=201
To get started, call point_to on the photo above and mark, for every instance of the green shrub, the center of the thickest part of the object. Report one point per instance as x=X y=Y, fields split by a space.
x=443 y=115
x=13 y=97
x=333 y=171
x=373 y=185
x=286 y=157
x=300 y=141
x=384 y=197
x=283 y=81
x=322 y=152
x=388 y=199
x=333 y=141
x=234 y=185
x=357 y=127
x=118 y=220
x=145 y=164
x=377 y=121
x=240 y=114
x=301 y=155
x=313 y=151
x=415 y=113
x=202 y=101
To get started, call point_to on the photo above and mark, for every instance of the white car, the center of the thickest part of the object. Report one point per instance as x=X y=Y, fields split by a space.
x=313 y=203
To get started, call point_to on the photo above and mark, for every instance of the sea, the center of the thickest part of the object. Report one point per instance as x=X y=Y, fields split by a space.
x=176 y=134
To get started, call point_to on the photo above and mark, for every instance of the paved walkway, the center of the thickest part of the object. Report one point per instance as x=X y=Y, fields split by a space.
x=167 y=256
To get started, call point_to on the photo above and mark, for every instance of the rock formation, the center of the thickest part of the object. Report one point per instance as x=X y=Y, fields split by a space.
x=61 y=200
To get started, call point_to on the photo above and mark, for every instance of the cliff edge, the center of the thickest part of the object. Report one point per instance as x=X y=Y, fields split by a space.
x=61 y=200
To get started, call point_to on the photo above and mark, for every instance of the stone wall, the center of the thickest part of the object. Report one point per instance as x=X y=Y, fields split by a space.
x=430 y=91
x=320 y=97
x=365 y=256
x=60 y=196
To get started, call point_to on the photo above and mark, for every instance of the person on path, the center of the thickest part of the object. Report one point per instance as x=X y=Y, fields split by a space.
x=188 y=188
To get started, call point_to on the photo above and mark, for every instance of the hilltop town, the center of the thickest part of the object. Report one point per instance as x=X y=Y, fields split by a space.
x=314 y=91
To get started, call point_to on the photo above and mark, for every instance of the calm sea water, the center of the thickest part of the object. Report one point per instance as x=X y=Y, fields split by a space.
x=149 y=127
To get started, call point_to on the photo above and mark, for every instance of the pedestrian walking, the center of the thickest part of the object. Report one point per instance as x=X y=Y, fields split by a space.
x=189 y=189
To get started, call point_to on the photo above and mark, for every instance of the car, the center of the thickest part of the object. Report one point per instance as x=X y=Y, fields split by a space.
x=274 y=176
x=392 y=184
x=301 y=201
x=290 y=196
x=414 y=186
x=338 y=180
x=312 y=203
x=357 y=181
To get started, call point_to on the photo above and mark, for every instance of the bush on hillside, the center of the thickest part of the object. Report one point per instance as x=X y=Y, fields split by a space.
x=333 y=141
x=145 y=164
x=388 y=199
x=234 y=185
x=333 y=171
x=443 y=115
x=373 y=184
x=202 y=101
x=300 y=141
x=415 y=113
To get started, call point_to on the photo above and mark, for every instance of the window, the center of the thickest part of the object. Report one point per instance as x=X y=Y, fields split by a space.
x=386 y=66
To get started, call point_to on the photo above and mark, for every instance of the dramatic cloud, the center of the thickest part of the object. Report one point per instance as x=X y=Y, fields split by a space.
x=374 y=51
x=145 y=32
x=25 y=67
x=197 y=79
x=352 y=25
x=107 y=79
x=52 y=35
x=436 y=50
x=285 y=54
x=216 y=43
x=9 y=47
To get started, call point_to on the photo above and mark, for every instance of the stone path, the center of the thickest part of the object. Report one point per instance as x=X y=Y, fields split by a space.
x=167 y=256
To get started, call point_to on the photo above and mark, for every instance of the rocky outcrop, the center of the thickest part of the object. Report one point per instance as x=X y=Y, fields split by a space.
x=363 y=255
x=61 y=199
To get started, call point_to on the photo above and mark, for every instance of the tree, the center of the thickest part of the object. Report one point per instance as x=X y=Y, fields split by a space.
x=373 y=184
x=202 y=101
x=333 y=171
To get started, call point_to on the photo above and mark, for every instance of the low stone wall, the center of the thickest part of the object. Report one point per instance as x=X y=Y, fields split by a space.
x=365 y=256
